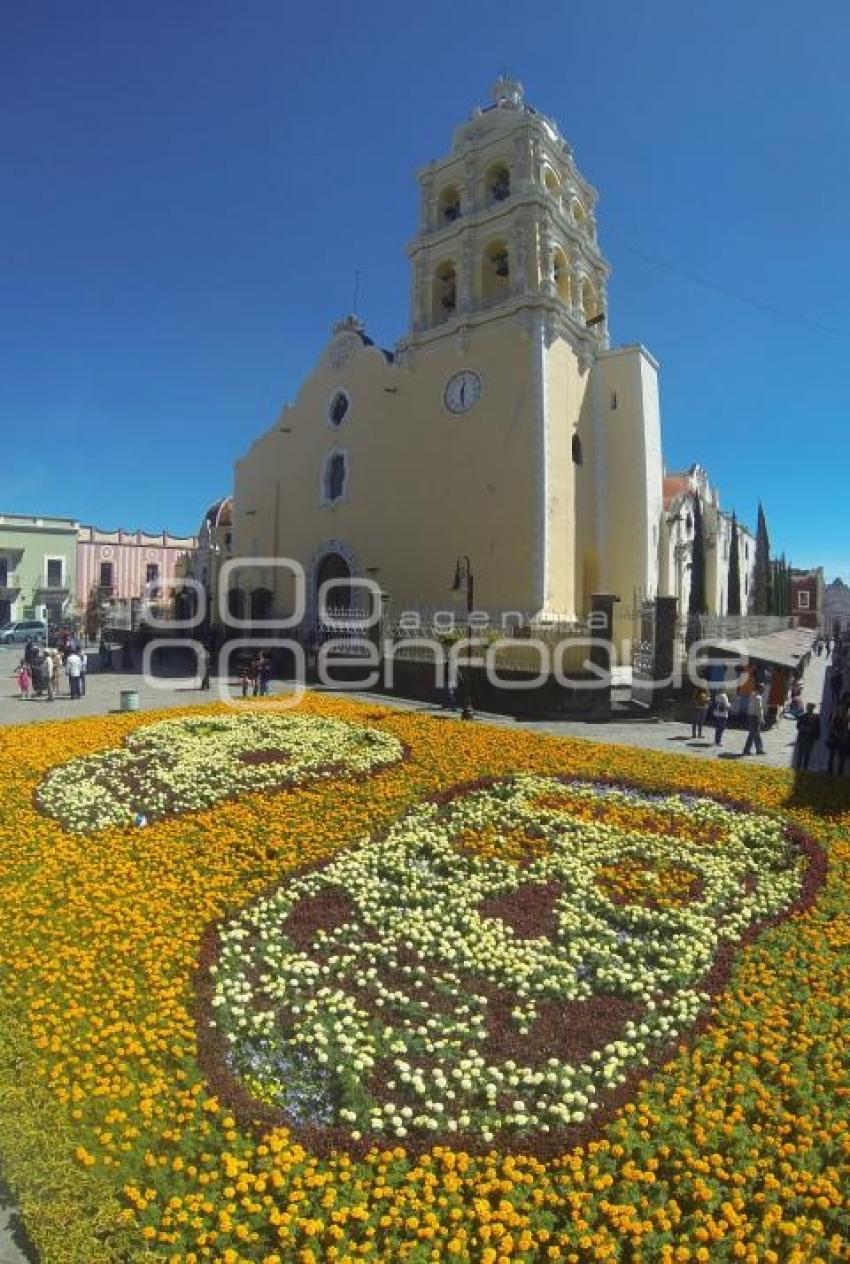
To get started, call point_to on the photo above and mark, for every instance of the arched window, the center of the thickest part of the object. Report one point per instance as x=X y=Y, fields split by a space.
x=578 y=457
x=499 y=182
x=449 y=205
x=578 y=213
x=495 y=272
x=563 y=287
x=334 y=478
x=552 y=183
x=444 y=292
x=338 y=408
x=589 y=301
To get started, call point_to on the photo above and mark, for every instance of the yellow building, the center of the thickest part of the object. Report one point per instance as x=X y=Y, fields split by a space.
x=502 y=426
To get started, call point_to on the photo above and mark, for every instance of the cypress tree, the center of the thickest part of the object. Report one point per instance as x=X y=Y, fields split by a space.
x=733 y=596
x=761 y=598
x=697 y=602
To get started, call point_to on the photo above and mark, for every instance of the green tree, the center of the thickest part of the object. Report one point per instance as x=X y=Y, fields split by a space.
x=94 y=614
x=761 y=596
x=733 y=596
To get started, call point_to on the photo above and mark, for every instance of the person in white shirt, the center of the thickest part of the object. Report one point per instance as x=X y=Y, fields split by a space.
x=755 y=720
x=73 y=669
x=721 y=715
x=84 y=667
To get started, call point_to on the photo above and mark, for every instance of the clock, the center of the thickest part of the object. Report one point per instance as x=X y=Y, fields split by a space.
x=462 y=391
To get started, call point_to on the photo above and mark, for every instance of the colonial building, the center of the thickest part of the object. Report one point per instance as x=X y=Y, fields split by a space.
x=214 y=546
x=677 y=529
x=38 y=563
x=836 y=607
x=503 y=426
x=116 y=570
x=807 y=597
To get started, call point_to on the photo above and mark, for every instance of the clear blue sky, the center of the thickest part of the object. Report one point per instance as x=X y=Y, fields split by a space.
x=187 y=189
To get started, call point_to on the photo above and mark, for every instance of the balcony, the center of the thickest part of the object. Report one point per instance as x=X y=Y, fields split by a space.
x=50 y=583
x=10 y=583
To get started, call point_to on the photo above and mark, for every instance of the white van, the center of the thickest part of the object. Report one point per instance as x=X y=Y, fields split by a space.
x=24 y=630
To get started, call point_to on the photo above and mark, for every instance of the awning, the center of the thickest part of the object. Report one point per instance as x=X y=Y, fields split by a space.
x=775 y=649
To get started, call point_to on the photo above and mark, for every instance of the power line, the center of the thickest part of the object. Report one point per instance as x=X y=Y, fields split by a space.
x=799 y=317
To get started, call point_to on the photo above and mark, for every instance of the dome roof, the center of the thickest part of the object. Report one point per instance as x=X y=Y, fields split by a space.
x=220 y=514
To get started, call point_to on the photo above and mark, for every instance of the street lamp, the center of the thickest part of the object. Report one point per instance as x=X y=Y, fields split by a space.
x=463 y=575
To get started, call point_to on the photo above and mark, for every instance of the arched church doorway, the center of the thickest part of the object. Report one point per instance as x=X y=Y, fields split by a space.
x=236 y=603
x=261 y=603
x=333 y=567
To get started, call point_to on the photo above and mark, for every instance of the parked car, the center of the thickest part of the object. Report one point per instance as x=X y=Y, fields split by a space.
x=24 y=630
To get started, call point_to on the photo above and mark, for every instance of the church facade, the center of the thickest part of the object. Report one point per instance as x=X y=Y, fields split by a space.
x=503 y=427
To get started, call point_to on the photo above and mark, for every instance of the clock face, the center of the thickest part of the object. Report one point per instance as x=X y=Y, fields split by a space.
x=462 y=391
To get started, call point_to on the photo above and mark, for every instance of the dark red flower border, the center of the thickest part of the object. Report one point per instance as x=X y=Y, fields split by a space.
x=323 y=1141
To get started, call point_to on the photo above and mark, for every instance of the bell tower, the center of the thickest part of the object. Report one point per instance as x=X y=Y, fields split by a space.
x=507 y=224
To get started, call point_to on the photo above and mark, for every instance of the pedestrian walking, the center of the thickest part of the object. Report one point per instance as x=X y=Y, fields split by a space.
x=755 y=723
x=721 y=715
x=255 y=675
x=54 y=665
x=808 y=734
x=264 y=671
x=84 y=668
x=24 y=681
x=244 y=678
x=838 y=737
x=701 y=700
x=836 y=680
x=73 y=668
x=207 y=663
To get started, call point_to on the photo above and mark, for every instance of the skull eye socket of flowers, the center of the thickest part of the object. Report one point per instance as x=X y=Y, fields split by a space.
x=423 y=985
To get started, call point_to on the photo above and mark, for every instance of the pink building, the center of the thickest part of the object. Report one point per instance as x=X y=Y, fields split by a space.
x=117 y=566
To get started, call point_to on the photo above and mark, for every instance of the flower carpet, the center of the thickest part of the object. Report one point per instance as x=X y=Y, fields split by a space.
x=376 y=985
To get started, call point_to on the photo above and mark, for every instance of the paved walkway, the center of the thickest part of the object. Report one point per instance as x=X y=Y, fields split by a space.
x=103 y=695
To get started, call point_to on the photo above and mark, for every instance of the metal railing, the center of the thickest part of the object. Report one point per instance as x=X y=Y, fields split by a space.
x=49 y=582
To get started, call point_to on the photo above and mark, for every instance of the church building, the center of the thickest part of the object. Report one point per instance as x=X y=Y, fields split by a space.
x=502 y=427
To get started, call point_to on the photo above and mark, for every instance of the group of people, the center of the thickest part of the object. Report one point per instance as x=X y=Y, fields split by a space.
x=718 y=707
x=40 y=669
x=254 y=676
x=833 y=725
x=838 y=724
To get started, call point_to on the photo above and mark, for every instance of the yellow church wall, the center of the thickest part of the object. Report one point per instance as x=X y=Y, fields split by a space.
x=423 y=485
x=567 y=414
x=629 y=477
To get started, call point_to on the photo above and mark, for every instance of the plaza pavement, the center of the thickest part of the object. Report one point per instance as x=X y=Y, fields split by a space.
x=672 y=736
x=103 y=695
